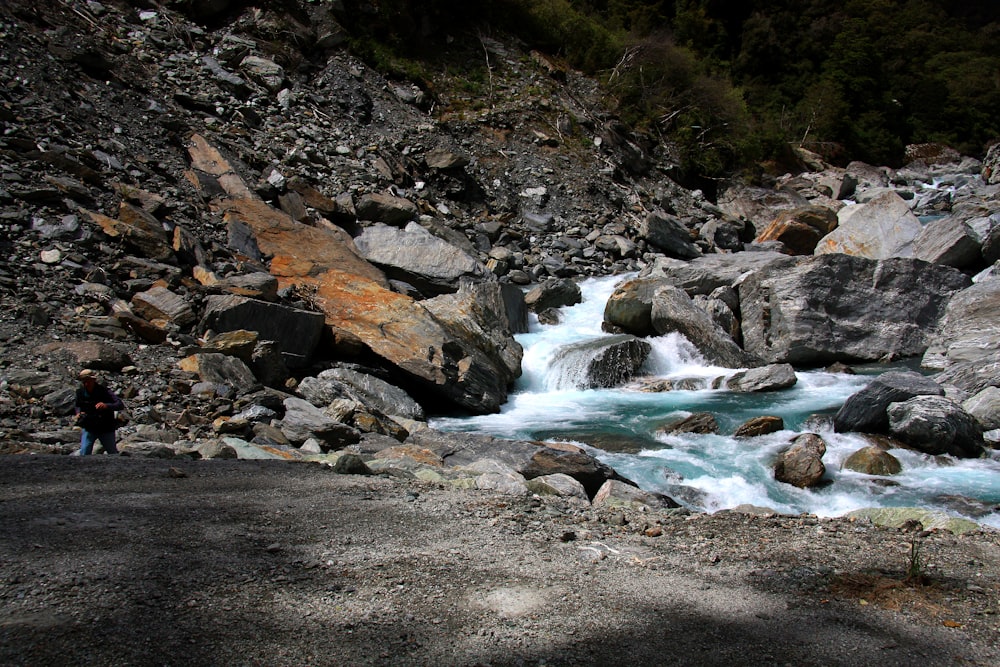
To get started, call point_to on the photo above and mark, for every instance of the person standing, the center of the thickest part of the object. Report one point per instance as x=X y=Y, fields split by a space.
x=95 y=413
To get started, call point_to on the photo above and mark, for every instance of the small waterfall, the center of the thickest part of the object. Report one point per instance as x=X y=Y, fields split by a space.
x=604 y=362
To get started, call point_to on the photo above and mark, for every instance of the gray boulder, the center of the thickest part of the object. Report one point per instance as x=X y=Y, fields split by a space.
x=841 y=308
x=221 y=369
x=985 y=407
x=936 y=425
x=303 y=421
x=482 y=316
x=553 y=293
x=672 y=310
x=710 y=272
x=368 y=390
x=767 y=378
x=378 y=207
x=966 y=347
x=865 y=411
x=159 y=303
x=415 y=256
x=881 y=228
x=948 y=241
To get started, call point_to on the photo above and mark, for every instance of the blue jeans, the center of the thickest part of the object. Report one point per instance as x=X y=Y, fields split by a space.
x=107 y=439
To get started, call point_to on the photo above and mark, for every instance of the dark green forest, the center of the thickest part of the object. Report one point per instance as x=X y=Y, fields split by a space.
x=734 y=83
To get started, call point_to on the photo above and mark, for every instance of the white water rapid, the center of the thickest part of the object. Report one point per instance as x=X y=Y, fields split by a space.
x=714 y=472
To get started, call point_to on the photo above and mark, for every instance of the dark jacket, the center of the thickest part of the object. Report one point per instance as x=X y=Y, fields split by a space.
x=92 y=419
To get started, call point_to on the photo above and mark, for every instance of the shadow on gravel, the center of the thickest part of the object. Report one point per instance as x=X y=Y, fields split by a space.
x=257 y=563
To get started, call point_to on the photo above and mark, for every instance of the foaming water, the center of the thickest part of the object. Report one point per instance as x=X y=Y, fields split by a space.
x=715 y=472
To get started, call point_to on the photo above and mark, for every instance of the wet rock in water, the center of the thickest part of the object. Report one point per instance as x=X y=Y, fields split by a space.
x=873 y=460
x=699 y=422
x=759 y=426
x=865 y=411
x=766 y=378
x=936 y=425
x=801 y=464
x=630 y=307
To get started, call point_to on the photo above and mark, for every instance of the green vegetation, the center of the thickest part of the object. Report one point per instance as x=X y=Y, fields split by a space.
x=734 y=83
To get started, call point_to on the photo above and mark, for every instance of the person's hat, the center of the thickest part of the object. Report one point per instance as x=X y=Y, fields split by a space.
x=88 y=373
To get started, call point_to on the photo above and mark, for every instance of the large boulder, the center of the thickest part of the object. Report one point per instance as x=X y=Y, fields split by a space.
x=865 y=410
x=936 y=425
x=553 y=293
x=358 y=306
x=415 y=256
x=758 y=206
x=629 y=308
x=985 y=407
x=454 y=366
x=672 y=310
x=881 y=228
x=841 y=308
x=303 y=421
x=221 y=369
x=966 y=347
x=609 y=361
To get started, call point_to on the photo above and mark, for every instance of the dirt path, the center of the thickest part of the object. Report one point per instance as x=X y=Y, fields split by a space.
x=140 y=562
